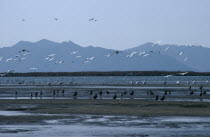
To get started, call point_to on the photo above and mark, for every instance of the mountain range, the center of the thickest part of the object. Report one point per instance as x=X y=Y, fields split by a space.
x=49 y=56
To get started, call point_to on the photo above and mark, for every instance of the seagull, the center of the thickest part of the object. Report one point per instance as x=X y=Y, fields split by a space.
x=9 y=59
x=86 y=61
x=166 y=49
x=156 y=43
x=51 y=59
x=146 y=55
x=55 y=18
x=181 y=53
x=186 y=59
x=78 y=56
x=144 y=82
x=61 y=62
x=90 y=58
x=51 y=55
x=23 y=19
x=183 y=73
x=141 y=53
x=107 y=55
x=132 y=54
x=25 y=54
x=33 y=68
x=168 y=76
x=74 y=52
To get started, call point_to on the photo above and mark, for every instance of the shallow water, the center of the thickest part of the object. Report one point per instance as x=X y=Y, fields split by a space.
x=25 y=86
x=12 y=113
x=107 y=80
x=113 y=126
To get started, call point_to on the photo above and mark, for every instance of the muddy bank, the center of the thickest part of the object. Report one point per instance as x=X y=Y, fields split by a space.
x=107 y=107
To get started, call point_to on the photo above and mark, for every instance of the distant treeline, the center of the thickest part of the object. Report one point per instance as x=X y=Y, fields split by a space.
x=112 y=73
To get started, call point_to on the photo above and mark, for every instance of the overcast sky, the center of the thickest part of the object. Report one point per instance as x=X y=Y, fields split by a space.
x=121 y=23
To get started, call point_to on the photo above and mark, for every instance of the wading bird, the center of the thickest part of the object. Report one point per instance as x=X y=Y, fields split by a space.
x=115 y=96
x=95 y=96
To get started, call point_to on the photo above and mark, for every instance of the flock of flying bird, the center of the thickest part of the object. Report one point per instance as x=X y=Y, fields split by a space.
x=56 y=19
x=22 y=55
x=51 y=58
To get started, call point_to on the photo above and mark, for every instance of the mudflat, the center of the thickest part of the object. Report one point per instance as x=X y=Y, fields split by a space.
x=102 y=107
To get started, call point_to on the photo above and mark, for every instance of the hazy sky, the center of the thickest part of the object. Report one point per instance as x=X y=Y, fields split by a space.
x=121 y=23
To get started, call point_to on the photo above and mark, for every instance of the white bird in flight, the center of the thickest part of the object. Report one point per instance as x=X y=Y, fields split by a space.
x=181 y=53
x=186 y=59
x=74 y=52
x=183 y=73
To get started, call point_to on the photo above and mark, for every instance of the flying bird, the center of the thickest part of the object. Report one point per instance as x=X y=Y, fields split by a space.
x=91 y=19
x=183 y=73
x=181 y=53
x=186 y=59
x=24 y=50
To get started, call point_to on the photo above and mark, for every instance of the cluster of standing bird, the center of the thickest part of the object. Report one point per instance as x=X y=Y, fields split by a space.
x=92 y=94
x=202 y=92
x=114 y=95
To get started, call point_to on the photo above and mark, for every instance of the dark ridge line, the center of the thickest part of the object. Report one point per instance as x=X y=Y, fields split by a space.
x=108 y=73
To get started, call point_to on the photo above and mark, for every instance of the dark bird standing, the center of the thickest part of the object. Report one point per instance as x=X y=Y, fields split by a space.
x=115 y=96
x=95 y=96
x=156 y=97
x=163 y=98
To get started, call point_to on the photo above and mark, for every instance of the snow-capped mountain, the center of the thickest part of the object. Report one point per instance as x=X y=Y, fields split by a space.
x=48 y=56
